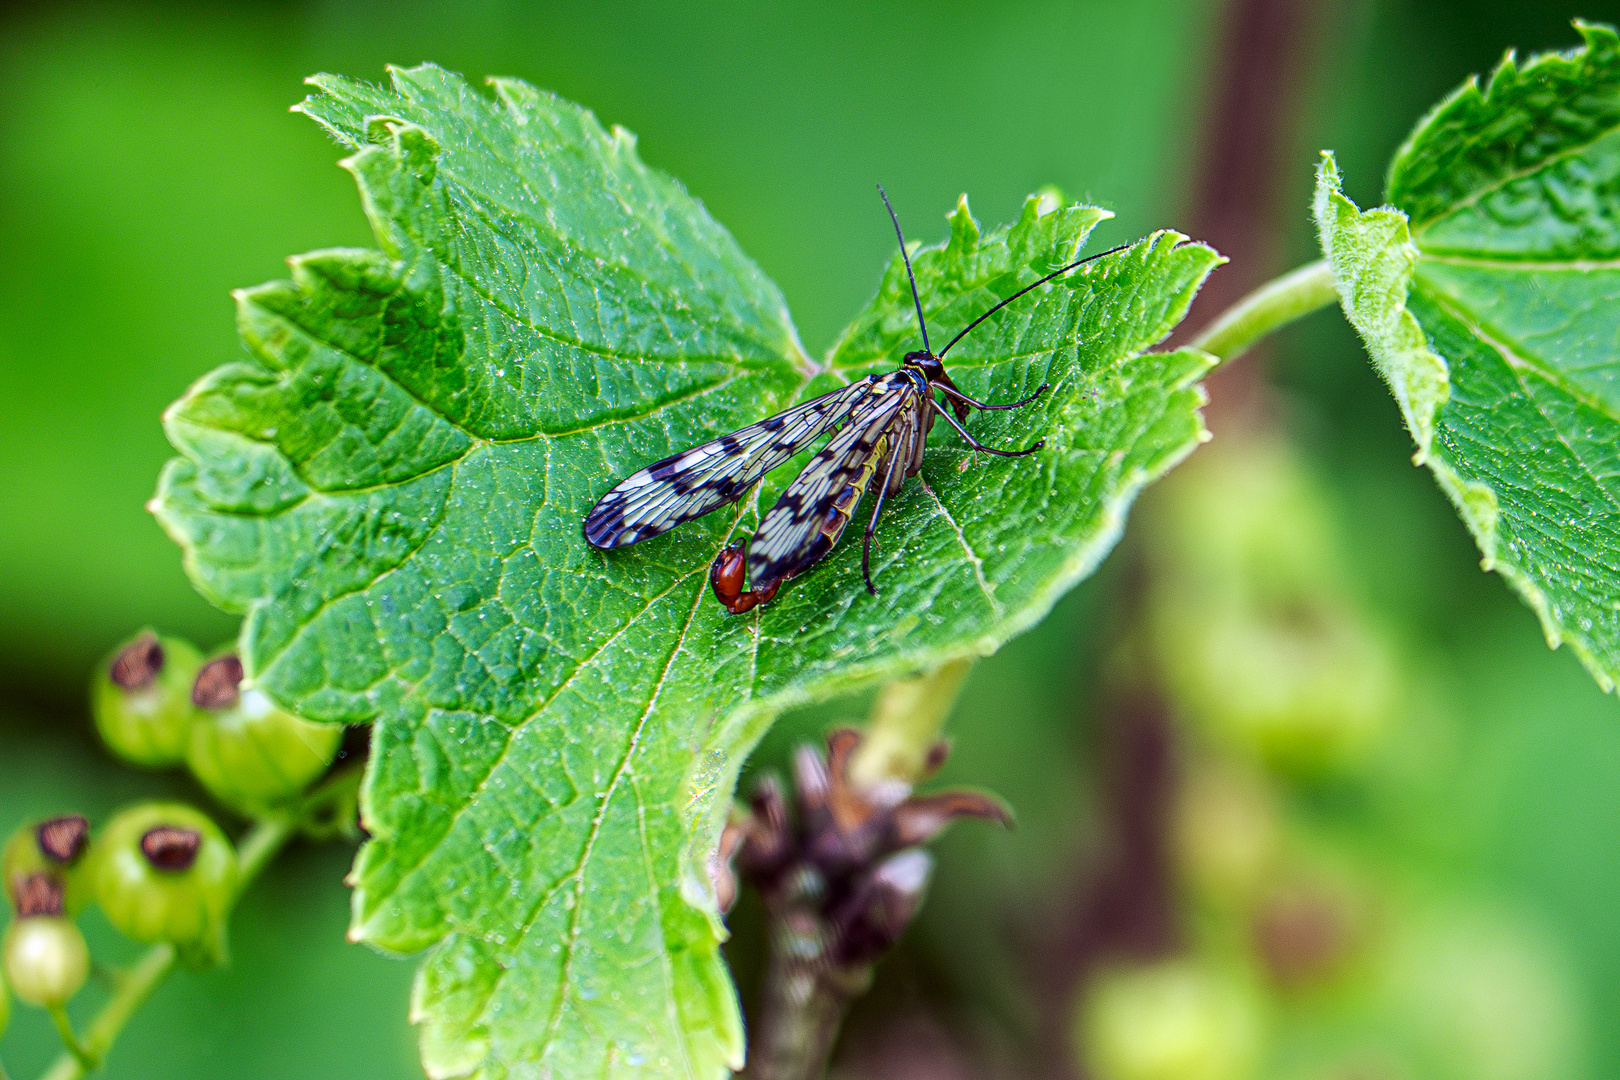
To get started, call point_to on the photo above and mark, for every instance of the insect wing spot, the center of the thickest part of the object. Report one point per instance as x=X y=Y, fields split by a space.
x=603 y=525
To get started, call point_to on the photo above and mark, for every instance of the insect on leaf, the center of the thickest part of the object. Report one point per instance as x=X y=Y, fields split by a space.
x=391 y=486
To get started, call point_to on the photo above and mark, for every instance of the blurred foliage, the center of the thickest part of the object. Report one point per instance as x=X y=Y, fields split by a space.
x=149 y=167
x=1300 y=849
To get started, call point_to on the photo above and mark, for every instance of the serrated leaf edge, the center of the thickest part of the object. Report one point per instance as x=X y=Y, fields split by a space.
x=1470 y=95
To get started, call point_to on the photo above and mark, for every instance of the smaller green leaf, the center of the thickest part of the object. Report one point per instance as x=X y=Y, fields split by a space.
x=1373 y=258
x=1489 y=299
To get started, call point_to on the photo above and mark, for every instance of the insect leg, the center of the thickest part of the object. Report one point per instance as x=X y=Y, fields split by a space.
x=952 y=392
x=977 y=445
x=871 y=526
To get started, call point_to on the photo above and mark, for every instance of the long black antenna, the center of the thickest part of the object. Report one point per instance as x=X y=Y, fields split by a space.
x=1056 y=273
x=914 y=297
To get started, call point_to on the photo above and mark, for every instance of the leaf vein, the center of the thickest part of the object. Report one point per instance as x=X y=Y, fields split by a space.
x=569 y=950
x=571 y=245
x=967 y=549
x=315 y=613
x=1509 y=177
x=1519 y=365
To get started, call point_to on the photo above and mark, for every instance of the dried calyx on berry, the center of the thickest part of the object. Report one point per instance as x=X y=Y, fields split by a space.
x=248 y=752
x=50 y=854
x=63 y=839
x=841 y=877
x=141 y=698
x=44 y=954
x=168 y=847
x=38 y=894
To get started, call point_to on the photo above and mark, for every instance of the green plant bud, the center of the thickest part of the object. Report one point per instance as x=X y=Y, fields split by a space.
x=164 y=872
x=46 y=959
x=141 y=698
x=1226 y=836
x=249 y=753
x=1251 y=626
x=48 y=856
x=1175 y=1020
x=1310 y=693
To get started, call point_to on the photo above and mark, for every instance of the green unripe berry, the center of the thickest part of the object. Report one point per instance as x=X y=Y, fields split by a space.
x=50 y=855
x=46 y=959
x=1172 y=1020
x=249 y=753
x=164 y=872
x=1310 y=693
x=141 y=699
x=1226 y=834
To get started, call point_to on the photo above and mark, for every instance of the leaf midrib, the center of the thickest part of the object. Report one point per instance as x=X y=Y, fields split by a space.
x=578 y=873
x=1519 y=365
x=536 y=712
x=1505 y=261
x=1517 y=362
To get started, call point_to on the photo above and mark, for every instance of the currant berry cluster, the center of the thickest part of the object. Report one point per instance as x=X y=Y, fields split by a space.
x=158 y=702
x=159 y=871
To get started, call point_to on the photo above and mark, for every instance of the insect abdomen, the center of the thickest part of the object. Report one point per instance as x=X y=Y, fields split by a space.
x=843 y=507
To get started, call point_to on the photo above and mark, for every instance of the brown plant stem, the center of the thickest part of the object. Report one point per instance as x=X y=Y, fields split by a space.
x=803 y=1002
x=835 y=906
x=1269 y=58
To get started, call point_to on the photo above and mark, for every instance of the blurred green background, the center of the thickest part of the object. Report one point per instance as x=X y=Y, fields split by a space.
x=148 y=165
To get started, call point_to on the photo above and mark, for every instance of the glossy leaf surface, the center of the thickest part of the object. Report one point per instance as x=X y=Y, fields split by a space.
x=391 y=489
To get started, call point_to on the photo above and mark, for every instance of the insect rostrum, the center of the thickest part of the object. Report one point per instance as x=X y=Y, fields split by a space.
x=880 y=428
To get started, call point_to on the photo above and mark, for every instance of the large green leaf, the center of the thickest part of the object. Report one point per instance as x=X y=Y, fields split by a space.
x=1489 y=297
x=391 y=488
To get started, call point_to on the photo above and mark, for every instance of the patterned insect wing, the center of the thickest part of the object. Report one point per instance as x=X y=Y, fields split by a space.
x=702 y=478
x=811 y=514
